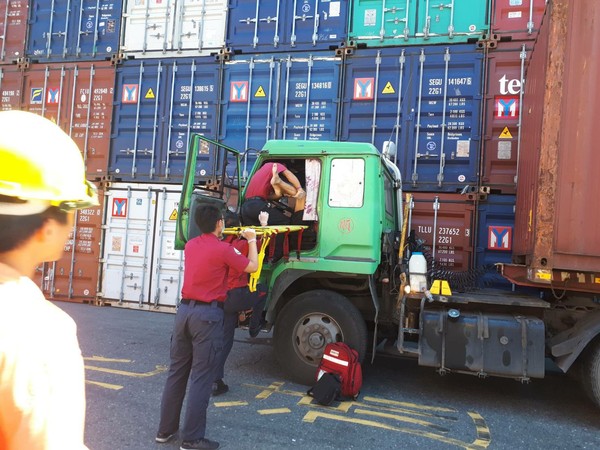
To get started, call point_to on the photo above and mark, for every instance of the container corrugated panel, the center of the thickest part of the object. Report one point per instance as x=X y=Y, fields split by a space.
x=445 y=222
x=162 y=29
x=74 y=277
x=279 y=96
x=427 y=101
x=140 y=266
x=78 y=97
x=270 y=26
x=78 y=30
x=495 y=225
x=557 y=216
x=13 y=29
x=158 y=104
x=517 y=19
x=11 y=85
x=417 y=22
x=505 y=69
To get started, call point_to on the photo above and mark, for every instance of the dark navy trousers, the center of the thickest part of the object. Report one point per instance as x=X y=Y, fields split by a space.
x=239 y=299
x=195 y=347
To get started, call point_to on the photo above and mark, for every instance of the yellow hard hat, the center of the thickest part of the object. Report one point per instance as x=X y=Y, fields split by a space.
x=40 y=164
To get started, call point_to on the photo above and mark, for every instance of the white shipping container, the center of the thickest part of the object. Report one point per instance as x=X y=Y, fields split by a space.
x=156 y=28
x=140 y=266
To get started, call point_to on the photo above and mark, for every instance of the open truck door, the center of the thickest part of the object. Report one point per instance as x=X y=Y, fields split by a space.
x=219 y=187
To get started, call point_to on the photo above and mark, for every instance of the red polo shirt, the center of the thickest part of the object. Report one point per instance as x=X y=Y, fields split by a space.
x=260 y=183
x=207 y=264
x=237 y=279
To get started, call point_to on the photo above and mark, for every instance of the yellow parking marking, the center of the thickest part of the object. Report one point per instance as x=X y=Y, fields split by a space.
x=307 y=400
x=311 y=416
x=159 y=369
x=409 y=405
x=103 y=359
x=114 y=387
x=226 y=404
x=402 y=419
x=406 y=411
x=484 y=437
x=270 y=390
x=265 y=412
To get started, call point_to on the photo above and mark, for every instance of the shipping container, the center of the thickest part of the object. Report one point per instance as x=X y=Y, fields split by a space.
x=278 y=96
x=158 y=103
x=556 y=223
x=11 y=85
x=13 y=30
x=427 y=101
x=416 y=22
x=445 y=222
x=495 y=222
x=78 y=30
x=74 y=277
x=140 y=266
x=162 y=29
x=259 y=26
x=77 y=96
x=505 y=75
x=517 y=19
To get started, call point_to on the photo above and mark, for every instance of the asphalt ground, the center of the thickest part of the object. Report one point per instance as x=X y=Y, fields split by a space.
x=401 y=405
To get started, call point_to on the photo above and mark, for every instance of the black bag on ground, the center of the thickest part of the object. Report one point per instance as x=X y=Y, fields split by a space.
x=327 y=389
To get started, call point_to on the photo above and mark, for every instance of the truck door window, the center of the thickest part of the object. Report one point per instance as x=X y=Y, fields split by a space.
x=347 y=183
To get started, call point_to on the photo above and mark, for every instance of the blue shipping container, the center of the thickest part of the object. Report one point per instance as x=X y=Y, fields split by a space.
x=78 y=30
x=158 y=104
x=278 y=96
x=427 y=101
x=299 y=25
x=496 y=222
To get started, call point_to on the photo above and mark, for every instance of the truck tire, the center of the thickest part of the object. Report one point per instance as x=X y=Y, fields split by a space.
x=310 y=321
x=590 y=371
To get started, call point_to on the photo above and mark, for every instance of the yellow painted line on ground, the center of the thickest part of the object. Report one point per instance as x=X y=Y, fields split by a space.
x=227 y=404
x=311 y=416
x=270 y=390
x=406 y=411
x=307 y=400
x=159 y=369
x=402 y=419
x=103 y=359
x=409 y=405
x=265 y=412
x=279 y=391
x=484 y=437
x=114 y=387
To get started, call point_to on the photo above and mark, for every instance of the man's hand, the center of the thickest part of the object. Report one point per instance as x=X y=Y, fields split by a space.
x=249 y=234
x=263 y=218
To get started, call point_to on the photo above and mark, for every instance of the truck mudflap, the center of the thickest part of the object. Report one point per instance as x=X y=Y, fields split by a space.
x=482 y=344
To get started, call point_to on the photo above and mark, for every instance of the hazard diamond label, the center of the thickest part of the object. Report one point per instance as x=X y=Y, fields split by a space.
x=388 y=89
x=149 y=94
x=173 y=215
x=260 y=92
x=505 y=134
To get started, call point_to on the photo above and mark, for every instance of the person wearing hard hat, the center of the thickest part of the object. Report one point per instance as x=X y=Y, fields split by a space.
x=42 y=183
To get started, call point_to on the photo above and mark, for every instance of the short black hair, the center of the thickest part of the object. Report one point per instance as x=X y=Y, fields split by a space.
x=15 y=230
x=232 y=219
x=206 y=218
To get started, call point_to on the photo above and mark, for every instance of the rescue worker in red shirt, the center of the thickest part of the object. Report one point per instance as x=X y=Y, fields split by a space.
x=265 y=186
x=198 y=330
x=239 y=298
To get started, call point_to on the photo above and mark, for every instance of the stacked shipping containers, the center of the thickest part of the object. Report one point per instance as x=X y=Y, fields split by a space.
x=131 y=81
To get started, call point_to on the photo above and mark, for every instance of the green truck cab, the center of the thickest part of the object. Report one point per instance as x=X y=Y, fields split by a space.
x=336 y=287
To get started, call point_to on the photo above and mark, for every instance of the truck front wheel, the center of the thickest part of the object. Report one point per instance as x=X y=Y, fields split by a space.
x=590 y=373
x=310 y=321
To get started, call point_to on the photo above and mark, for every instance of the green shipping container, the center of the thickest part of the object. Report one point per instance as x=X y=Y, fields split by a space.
x=417 y=22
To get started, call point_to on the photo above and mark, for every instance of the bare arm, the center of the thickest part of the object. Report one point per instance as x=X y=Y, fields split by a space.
x=250 y=235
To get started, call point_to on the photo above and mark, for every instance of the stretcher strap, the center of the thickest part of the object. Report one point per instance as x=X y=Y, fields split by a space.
x=254 y=276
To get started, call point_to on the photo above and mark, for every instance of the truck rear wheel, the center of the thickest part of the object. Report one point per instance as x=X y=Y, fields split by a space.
x=590 y=373
x=309 y=322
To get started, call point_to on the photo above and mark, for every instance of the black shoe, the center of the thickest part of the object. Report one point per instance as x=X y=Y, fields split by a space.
x=163 y=438
x=199 y=444
x=219 y=388
x=254 y=331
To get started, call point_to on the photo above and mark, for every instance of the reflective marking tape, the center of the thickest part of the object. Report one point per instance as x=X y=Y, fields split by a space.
x=341 y=362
